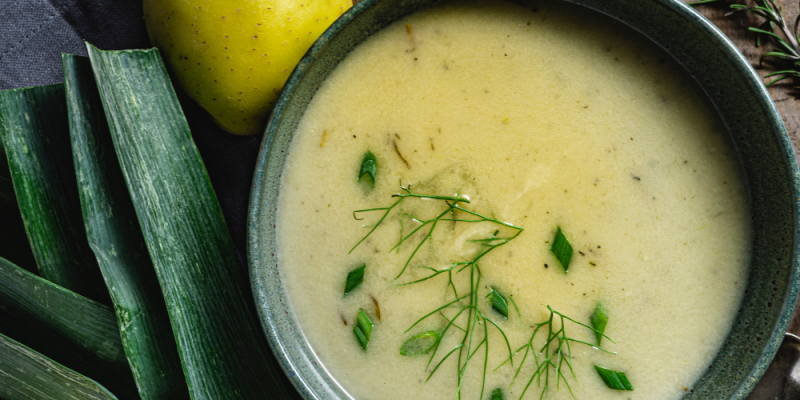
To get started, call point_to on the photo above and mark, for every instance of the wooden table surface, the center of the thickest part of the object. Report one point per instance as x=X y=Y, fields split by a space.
x=786 y=99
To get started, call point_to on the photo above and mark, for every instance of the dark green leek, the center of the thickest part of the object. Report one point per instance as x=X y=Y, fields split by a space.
x=33 y=128
x=28 y=375
x=223 y=352
x=74 y=331
x=117 y=241
x=14 y=245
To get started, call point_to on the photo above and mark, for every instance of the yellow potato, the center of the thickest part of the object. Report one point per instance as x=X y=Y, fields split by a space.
x=233 y=56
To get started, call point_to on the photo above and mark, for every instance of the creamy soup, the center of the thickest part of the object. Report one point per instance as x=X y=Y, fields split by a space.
x=543 y=118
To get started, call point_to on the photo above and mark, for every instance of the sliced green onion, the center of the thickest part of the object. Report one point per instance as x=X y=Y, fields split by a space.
x=497 y=394
x=354 y=279
x=599 y=320
x=614 y=379
x=562 y=249
x=363 y=328
x=499 y=303
x=362 y=339
x=369 y=166
x=420 y=344
x=364 y=323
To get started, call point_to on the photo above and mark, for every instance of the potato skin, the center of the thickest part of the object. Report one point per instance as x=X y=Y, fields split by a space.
x=233 y=56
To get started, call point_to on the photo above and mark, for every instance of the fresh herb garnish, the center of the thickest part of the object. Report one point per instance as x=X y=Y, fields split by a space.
x=363 y=328
x=614 y=379
x=499 y=303
x=562 y=249
x=788 y=48
x=555 y=352
x=465 y=306
x=599 y=320
x=369 y=166
x=497 y=394
x=448 y=214
x=420 y=344
x=354 y=279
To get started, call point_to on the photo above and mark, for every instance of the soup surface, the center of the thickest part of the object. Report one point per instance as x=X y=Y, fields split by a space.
x=542 y=117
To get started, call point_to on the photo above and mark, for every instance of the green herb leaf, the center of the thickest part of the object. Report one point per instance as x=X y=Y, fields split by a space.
x=497 y=394
x=614 y=379
x=562 y=249
x=26 y=374
x=499 y=303
x=599 y=320
x=116 y=239
x=420 y=344
x=35 y=135
x=363 y=329
x=354 y=279
x=223 y=351
x=369 y=166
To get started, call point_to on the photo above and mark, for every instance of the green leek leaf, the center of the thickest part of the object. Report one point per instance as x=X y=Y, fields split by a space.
x=223 y=352
x=599 y=321
x=33 y=128
x=369 y=166
x=74 y=331
x=28 y=375
x=420 y=344
x=14 y=245
x=562 y=249
x=117 y=241
x=614 y=379
x=354 y=279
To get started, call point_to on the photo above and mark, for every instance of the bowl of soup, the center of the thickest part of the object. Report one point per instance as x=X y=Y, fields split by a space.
x=550 y=199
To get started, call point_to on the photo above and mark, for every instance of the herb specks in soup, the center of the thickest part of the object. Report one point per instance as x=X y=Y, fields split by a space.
x=499 y=128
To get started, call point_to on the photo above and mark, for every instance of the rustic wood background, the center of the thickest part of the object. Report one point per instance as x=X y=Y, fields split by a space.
x=786 y=97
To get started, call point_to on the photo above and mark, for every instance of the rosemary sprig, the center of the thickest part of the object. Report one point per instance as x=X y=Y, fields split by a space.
x=775 y=28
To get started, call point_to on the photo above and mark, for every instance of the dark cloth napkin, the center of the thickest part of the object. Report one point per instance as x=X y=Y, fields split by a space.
x=34 y=33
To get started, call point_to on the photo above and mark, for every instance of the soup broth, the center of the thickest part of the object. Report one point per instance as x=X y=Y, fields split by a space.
x=545 y=117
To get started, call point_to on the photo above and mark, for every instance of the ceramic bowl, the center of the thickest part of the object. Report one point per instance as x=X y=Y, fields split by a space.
x=756 y=129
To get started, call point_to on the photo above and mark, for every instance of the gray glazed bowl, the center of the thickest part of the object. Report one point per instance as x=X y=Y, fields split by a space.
x=756 y=128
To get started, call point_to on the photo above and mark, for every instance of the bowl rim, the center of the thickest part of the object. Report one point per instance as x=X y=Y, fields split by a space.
x=308 y=387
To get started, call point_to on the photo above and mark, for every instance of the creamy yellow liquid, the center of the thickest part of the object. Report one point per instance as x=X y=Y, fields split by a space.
x=543 y=118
